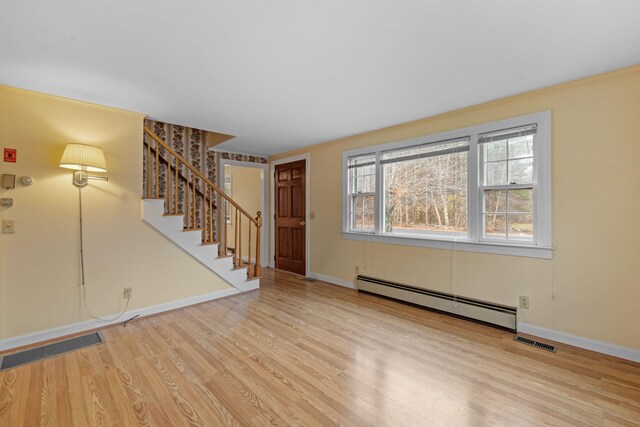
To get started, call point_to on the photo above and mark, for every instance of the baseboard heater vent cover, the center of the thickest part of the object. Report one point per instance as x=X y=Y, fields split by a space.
x=487 y=312
x=49 y=350
x=536 y=344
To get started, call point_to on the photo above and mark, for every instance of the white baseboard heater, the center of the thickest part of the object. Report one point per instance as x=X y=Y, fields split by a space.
x=486 y=312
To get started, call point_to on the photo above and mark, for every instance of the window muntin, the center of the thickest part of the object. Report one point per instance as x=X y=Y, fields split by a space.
x=507 y=184
x=425 y=189
x=508 y=207
x=362 y=192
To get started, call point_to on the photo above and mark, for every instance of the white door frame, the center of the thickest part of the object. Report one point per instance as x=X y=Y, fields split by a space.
x=272 y=221
x=264 y=256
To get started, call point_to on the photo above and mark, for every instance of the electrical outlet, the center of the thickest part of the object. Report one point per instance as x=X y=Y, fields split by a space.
x=128 y=293
x=524 y=302
x=8 y=226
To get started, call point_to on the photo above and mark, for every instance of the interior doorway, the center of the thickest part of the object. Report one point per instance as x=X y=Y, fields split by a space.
x=290 y=216
x=246 y=184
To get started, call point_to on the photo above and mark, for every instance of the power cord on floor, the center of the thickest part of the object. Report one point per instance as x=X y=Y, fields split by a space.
x=84 y=290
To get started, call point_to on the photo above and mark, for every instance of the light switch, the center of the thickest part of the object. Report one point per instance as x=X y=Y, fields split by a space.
x=8 y=181
x=312 y=215
x=8 y=226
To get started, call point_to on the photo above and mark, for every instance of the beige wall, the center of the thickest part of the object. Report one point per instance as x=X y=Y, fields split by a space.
x=39 y=264
x=596 y=215
x=246 y=186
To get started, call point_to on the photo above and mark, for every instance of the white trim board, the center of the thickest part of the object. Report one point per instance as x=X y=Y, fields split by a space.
x=585 y=343
x=541 y=247
x=272 y=221
x=88 y=325
x=426 y=242
x=332 y=280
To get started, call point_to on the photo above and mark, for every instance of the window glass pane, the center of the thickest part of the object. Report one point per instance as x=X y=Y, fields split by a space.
x=495 y=201
x=495 y=150
x=521 y=171
x=495 y=173
x=520 y=200
x=365 y=170
x=521 y=147
x=500 y=222
x=426 y=195
x=357 y=221
x=363 y=203
x=520 y=226
x=495 y=226
x=362 y=221
x=368 y=221
x=364 y=184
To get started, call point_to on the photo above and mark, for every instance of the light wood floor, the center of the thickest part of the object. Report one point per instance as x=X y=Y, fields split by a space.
x=297 y=353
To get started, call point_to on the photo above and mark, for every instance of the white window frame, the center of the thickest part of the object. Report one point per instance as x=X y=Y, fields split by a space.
x=540 y=247
x=350 y=207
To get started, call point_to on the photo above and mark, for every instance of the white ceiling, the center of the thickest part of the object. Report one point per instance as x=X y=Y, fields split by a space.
x=286 y=74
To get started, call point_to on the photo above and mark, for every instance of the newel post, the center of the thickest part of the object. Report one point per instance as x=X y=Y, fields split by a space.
x=258 y=268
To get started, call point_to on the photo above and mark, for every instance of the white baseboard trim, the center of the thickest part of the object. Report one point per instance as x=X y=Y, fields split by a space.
x=87 y=325
x=332 y=280
x=577 y=341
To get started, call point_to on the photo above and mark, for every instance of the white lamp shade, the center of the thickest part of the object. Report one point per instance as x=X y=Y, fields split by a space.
x=83 y=157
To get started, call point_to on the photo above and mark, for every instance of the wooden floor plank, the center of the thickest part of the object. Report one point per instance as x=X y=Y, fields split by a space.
x=312 y=354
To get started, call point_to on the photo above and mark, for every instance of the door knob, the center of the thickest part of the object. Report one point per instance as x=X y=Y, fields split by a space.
x=303 y=223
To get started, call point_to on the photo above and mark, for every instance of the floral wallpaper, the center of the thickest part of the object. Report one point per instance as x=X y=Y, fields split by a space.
x=191 y=144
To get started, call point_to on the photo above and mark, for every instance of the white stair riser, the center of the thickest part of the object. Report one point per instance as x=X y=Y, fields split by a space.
x=191 y=242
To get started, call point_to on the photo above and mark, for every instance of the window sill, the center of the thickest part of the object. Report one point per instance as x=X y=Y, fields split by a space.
x=466 y=246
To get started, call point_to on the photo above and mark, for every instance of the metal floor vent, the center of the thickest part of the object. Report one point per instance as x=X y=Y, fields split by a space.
x=535 y=343
x=309 y=279
x=49 y=350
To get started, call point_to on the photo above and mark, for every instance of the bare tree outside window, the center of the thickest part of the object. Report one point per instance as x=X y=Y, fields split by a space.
x=426 y=189
x=486 y=188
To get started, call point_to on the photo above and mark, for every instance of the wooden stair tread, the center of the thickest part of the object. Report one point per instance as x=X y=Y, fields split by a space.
x=209 y=243
x=154 y=198
x=177 y=214
x=193 y=229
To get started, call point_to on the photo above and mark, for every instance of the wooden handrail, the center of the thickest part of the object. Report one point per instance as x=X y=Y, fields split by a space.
x=197 y=203
x=180 y=175
x=198 y=173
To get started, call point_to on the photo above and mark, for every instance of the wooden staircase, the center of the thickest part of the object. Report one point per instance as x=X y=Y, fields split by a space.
x=192 y=211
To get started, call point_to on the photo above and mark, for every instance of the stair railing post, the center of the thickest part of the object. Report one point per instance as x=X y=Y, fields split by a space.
x=249 y=272
x=157 y=176
x=148 y=169
x=167 y=191
x=258 y=267
x=175 y=189
x=235 y=246
x=193 y=204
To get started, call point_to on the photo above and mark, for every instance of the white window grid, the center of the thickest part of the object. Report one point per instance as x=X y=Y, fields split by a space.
x=540 y=247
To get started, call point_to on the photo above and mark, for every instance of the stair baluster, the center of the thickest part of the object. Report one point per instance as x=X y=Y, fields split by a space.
x=202 y=200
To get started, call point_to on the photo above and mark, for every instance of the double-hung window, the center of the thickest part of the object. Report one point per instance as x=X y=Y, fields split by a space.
x=485 y=188
x=362 y=190
x=506 y=184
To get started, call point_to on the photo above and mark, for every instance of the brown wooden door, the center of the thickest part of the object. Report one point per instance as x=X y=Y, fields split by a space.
x=290 y=229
